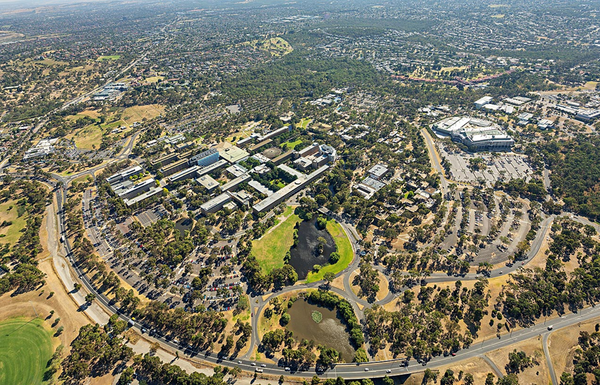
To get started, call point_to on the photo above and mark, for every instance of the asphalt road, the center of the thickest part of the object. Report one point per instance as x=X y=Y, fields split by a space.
x=348 y=371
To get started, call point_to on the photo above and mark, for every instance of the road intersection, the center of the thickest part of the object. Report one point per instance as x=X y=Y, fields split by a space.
x=348 y=371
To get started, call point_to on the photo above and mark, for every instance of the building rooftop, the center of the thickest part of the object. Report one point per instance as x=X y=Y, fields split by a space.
x=233 y=154
x=378 y=170
x=208 y=182
x=203 y=154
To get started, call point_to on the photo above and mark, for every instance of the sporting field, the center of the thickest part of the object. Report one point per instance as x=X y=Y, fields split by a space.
x=109 y=57
x=271 y=248
x=25 y=348
x=344 y=248
x=9 y=213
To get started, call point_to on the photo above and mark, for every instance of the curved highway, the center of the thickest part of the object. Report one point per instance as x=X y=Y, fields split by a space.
x=347 y=371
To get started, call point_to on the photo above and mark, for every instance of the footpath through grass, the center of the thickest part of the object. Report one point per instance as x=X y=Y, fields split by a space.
x=344 y=248
x=25 y=348
x=270 y=250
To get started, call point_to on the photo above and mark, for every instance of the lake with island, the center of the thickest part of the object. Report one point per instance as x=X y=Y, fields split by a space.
x=305 y=255
x=330 y=331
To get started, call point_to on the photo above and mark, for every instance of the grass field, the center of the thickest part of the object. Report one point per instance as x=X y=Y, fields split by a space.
x=291 y=145
x=87 y=137
x=138 y=113
x=154 y=79
x=109 y=57
x=25 y=348
x=271 y=248
x=344 y=248
x=304 y=123
x=11 y=233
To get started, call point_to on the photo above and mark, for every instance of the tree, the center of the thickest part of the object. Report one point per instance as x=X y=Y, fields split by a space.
x=235 y=372
x=90 y=297
x=429 y=375
x=329 y=277
x=360 y=355
x=387 y=381
x=510 y=379
x=518 y=361
x=469 y=380
x=154 y=347
x=566 y=379
x=448 y=378
x=328 y=356
x=489 y=379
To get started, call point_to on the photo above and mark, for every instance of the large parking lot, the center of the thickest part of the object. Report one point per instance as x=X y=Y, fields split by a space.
x=499 y=166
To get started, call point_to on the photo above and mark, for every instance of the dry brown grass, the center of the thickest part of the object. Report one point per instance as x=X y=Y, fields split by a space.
x=563 y=343
x=538 y=374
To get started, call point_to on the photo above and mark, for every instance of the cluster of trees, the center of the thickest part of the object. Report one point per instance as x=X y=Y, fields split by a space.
x=201 y=329
x=532 y=293
x=295 y=77
x=32 y=198
x=367 y=280
x=279 y=277
x=428 y=325
x=344 y=311
x=533 y=190
x=166 y=245
x=575 y=167
x=586 y=361
x=96 y=351
x=273 y=177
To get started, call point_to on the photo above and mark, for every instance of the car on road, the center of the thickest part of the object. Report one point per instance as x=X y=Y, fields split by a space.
x=253 y=364
x=550 y=327
x=366 y=369
x=263 y=365
x=287 y=369
x=388 y=371
x=258 y=370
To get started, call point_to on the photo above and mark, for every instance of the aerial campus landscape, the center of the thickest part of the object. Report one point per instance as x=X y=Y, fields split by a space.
x=312 y=192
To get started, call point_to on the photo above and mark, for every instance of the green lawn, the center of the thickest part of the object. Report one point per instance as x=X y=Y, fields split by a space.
x=109 y=57
x=292 y=145
x=11 y=234
x=25 y=348
x=304 y=123
x=271 y=248
x=344 y=248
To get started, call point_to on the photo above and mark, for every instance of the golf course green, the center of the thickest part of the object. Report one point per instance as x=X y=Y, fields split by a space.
x=25 y=348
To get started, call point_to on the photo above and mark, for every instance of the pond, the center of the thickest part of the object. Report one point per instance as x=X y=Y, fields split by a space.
x=306 y=254
x=182 y=225
x=329 y=332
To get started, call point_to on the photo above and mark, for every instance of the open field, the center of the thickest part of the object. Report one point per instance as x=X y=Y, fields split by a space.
x=563 y=343
x=109 y=57
x=304 y=122
x=291 y=145
x=154 y=79
x=8 y=212
x=271 y=248
x=536 y=374
x=344 y=248
x=89 y=137
x=276 y=46
x=25 y=348
x=139 y=113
